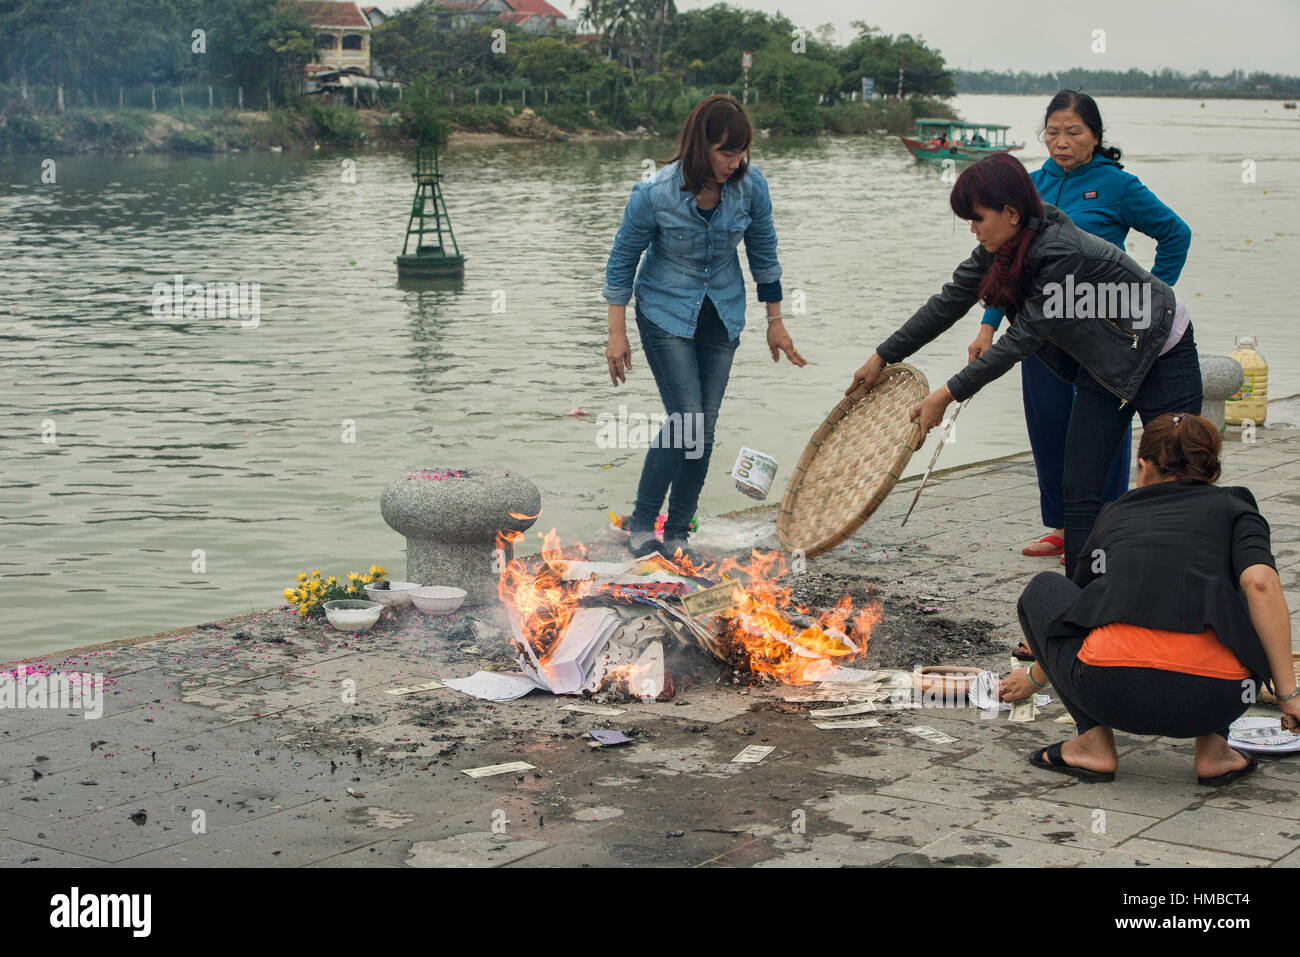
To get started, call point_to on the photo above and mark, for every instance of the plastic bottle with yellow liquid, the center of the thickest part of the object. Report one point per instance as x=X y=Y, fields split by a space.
x=1251 y=402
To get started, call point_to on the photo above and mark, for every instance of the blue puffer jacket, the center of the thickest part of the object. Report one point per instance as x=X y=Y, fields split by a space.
x=1102 y=199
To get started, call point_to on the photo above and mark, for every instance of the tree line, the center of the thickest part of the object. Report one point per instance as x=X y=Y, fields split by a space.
x=100 y=45
x=1131 y=83
x=644 y=60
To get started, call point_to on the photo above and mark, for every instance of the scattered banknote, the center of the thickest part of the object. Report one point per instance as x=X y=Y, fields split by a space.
x=932 y=734
x=897 y=705
x=489 y=770
x=752 y=754
x=848 y=723
x=594 y=709
x=415 y=689
x=1022 y=710
x=844 y=712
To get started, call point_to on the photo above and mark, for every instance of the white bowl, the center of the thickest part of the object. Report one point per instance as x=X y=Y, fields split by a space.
x=438 y=599
x=397 y=593
x=352 y=614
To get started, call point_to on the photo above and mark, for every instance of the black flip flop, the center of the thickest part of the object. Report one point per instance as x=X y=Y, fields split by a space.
x=1223 y=780
x=1025 y=655
x=1053 y=751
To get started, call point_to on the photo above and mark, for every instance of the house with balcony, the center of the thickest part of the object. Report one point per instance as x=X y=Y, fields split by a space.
x=342 y=34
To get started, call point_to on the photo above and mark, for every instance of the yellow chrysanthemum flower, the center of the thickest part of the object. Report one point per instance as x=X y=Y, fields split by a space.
x=302 y=576
x=288 y=594
x=332 y=580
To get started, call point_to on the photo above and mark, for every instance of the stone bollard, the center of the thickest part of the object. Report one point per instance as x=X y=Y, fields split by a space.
x=1221 y=377
x=451 y=518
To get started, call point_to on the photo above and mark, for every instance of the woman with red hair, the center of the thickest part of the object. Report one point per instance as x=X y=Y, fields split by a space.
x=1085 y=308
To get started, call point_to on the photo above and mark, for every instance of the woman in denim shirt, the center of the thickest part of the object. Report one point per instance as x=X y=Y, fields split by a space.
x=688 y=219
x=1083 y=179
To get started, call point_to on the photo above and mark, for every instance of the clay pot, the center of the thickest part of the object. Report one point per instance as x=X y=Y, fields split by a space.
x=945 y=680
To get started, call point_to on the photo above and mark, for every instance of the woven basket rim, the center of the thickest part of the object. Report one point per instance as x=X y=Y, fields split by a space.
x=829 y=538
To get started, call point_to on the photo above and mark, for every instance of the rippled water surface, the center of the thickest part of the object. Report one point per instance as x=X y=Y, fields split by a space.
x=175 y=435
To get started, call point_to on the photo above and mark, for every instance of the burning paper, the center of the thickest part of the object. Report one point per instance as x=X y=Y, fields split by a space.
x=575 y=622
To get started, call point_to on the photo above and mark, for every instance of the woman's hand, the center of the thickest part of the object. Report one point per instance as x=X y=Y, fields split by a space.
x=1290 y=714
x=868 y=374
x=929 y=411
x=981 y=343
x=778 y=341
x=1015 y=686
x=618 y=355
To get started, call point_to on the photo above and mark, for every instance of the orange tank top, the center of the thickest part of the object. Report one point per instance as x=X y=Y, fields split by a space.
x=1121 y=645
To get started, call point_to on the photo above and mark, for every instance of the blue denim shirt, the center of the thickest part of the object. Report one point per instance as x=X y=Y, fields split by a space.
x=688 y=257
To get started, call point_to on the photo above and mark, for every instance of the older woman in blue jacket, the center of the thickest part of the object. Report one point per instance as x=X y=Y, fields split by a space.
x=688 y=219
x=1084 y=179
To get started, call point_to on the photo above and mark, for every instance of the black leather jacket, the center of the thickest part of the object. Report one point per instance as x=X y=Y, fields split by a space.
x=1118 y=352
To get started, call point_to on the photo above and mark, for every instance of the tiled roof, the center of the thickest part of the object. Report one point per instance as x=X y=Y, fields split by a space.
x=539 y=7
x=332 y=13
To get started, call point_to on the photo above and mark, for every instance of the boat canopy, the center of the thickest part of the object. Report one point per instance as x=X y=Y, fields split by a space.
x=981 y=135
x=963 y=125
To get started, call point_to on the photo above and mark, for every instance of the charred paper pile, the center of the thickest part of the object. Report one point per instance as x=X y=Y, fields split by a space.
x=616 y=628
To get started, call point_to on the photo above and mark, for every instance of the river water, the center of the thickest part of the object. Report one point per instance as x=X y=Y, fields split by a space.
x=162 y=470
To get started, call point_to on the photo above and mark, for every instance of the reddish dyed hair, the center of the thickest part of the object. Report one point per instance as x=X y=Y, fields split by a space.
x=998 y=181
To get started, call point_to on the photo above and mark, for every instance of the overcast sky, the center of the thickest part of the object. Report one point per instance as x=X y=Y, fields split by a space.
x=1050 y=35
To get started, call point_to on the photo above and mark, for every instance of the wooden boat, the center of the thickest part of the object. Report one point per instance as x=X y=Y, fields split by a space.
x=958 y=140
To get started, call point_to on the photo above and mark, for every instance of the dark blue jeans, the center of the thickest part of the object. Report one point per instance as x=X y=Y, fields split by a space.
x=1048 y=401
x=692 y=376
x=1098 y=424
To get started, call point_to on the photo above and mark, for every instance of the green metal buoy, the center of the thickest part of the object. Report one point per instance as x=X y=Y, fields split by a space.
x=430 y=259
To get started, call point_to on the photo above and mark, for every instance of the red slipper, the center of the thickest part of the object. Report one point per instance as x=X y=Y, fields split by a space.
x=1056 y=541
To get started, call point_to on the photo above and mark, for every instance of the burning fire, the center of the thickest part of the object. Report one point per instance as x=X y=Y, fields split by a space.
x=762 y=630
x=767 y=633
x=542 y=600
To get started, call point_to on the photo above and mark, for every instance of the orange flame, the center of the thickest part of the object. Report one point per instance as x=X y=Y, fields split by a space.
x=542 y=600
x=761 y=632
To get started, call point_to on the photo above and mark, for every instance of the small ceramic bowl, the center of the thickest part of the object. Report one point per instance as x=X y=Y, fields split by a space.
x=352 y=614
x=397 y=593
x=437 y=599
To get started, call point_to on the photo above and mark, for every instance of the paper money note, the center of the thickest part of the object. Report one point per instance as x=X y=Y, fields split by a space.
x=718 y=598
x=488 y=770
x=594 y=709
x=752 y=754
x=848 y=723
x=1022 y=710
x=932 y=734
x=897 y=705
x=843 y=712
x=415 y=689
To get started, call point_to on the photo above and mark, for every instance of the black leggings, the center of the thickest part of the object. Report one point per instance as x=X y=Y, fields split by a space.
x=1136 y=700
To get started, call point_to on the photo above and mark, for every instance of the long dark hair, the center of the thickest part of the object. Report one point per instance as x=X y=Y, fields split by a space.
x=1185 y=446
x=717 y=120
x=998 y=181
x=1086 y=107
